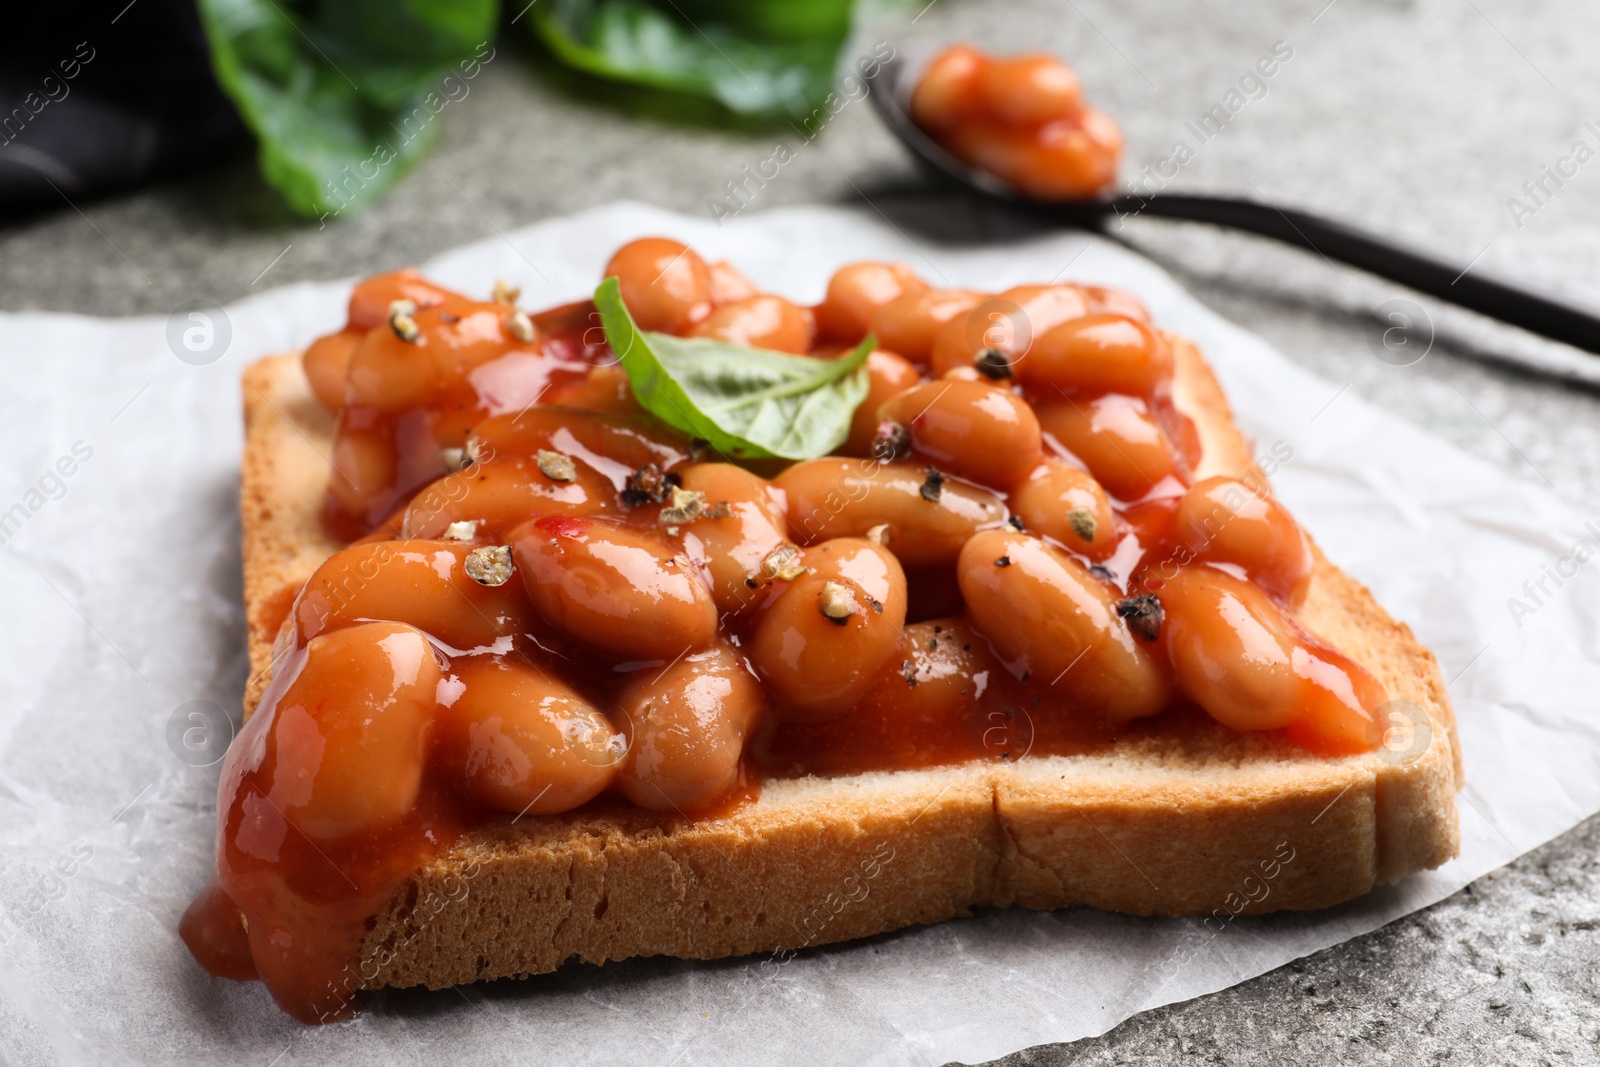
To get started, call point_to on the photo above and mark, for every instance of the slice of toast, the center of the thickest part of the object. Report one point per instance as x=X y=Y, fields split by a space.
x=1211 y=824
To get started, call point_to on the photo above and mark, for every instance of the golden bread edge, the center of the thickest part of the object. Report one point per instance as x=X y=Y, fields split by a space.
x=1240 y=824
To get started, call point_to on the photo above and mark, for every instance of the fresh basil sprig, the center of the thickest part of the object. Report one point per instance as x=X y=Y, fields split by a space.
x=749 y=403
x=344 y=96
x=771 y=58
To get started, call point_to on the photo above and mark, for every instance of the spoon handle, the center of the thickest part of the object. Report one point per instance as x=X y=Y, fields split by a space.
x=1456 y=282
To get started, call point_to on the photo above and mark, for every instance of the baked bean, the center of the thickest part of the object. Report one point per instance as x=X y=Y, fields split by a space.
x=501 y=494
x=1341 y=703
x=1049 y=618
x=1117 y=438
x=887 y=377
x=1232 y=649
x=350 y=733
x=1009 y=322
x=391 y=374
x=519 y=740
x=394 y=375
x=1241 y=658
x=976 y=429
x=744 y=525
x=856 y=292
x=908 y=324
x=614 y=445
x=371 y=298
x=1028 y=90
x=728 y=285
x=327 y=361
x=604 y=389
x=821 y=641
x=954 y=348
x=952 y=666
x=1067 y=505
x=760 y=322
x=944 y=94
x=420 y=582
x=1103 y=131
x=686 y=728
x=1073 y=159
x=1227 y=521
x=1047 y=306
x=665 y=284
x=616 y=587
x=364 y=471
x=466 y=334
x=466 y=339
x=833 y=497
x=1115 y=302
x=1099 y=354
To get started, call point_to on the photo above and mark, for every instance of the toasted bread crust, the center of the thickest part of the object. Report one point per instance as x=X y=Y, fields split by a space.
x=1214 y=824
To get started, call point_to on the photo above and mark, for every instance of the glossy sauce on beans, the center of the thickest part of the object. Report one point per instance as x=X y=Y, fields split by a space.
x=975 y=429
x=909 y=324
x=522 y=741
x=408 y=403
x=857 y=292
x=834 y=497
x=685 y=728
x=348 y=704
x=761 y=322
x=613 y=586
x=551 y=603
x=825 y=635
x=745 y=526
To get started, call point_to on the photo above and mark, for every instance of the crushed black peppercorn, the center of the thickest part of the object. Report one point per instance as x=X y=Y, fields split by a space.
x=891 y=441
x=992 y=363
x=648 y=485
x=1144 y=615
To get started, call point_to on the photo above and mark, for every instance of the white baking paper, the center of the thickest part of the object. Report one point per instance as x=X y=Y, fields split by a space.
x=120 y=584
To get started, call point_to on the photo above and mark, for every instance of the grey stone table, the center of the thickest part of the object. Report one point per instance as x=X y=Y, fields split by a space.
x=1419 y=117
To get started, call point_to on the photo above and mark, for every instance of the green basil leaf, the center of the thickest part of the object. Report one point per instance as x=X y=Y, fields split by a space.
x=774 y=59
x=749 y=403
x=342 y=96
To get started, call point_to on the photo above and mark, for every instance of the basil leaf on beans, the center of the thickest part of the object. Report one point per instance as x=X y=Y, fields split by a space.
x=749 y=403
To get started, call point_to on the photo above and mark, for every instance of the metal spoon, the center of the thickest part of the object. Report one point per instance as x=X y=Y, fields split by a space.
x=1558 y=320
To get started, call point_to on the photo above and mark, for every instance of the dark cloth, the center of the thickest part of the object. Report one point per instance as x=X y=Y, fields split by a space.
x=99 y=97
